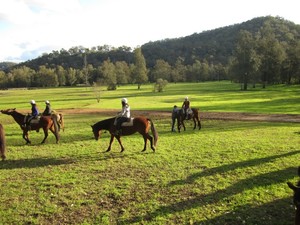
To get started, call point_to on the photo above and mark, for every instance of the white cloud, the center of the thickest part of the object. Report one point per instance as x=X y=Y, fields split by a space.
x=32 y=27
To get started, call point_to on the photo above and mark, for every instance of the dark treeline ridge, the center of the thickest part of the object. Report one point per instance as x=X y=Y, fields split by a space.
x=262 y=50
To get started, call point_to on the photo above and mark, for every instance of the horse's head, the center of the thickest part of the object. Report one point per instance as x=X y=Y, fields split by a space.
x=8 y=111
x=96 y=132
x=296 y=189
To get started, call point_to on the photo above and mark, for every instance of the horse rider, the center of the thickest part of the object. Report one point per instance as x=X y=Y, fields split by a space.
x=122 y=116
x=48 y=110
x=186 y=106
x=174 y=116
x=34 y=113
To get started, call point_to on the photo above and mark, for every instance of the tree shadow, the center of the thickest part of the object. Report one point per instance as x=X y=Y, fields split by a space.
x=275 y=212
x=230 y=167
x=223 y=195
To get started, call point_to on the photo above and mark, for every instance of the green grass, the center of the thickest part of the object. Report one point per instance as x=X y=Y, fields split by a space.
x=230 y=172
x=211 y=96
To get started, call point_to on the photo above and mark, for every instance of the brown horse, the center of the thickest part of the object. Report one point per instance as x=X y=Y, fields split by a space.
x=296 y=198
x=2 y=142
x=45 y=122
x=60 y=120
x=137 y=124
x=181 y=117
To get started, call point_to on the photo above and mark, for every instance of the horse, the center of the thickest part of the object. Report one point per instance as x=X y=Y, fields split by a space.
x=2 y=142
x=60 y=120
x=180 y=116
x=296 y=198
x=139 y=124
x=44 y=122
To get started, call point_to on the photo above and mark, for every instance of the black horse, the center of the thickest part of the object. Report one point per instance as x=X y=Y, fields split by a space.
x=180 y=116
x=296 y=198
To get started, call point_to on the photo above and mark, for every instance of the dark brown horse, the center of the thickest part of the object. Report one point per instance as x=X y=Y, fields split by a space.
x=296 y=198
x=181 y=117
x=45 y=122
x=2 y=142
x=140 y=124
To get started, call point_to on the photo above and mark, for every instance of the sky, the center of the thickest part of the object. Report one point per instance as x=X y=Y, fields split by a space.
x=29 y=28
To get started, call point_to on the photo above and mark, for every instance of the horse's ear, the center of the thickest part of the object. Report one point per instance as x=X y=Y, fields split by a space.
x=14 y=109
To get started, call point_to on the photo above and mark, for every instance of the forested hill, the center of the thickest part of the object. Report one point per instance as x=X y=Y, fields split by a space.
x=214 y=46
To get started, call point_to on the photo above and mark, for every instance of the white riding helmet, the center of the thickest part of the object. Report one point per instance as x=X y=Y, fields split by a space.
x=32 y=102
x=124 y=100
x=186 y=98
x=47 y=102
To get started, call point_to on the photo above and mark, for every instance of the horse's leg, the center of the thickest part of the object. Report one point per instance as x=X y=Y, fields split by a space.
x=26 y=137
x=194 y=123
x=52 y=129
x=45 y=135
x=119 y=140
x=178 y=125
x=199 y=123
x=183 y=124
x=110 y=142
x=146 y=137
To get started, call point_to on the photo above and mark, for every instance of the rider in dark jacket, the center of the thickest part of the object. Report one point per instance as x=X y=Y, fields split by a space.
x=48 y=110
x=34 y=113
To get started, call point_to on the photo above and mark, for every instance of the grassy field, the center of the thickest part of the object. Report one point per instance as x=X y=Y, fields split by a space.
x=230 y=172
x=210 y=96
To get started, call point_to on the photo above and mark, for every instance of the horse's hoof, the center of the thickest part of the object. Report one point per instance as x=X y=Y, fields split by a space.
x=143 y=150
x=122 y=150
x=107 y=150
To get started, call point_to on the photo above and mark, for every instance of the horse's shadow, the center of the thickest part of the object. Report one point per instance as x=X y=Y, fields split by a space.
x=33 y=163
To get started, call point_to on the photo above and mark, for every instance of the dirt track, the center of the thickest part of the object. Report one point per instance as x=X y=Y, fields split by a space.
x=293 y=118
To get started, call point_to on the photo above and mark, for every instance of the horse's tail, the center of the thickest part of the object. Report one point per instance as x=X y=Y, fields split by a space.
x=154 y=132
x=56 y=128
x=2 y=142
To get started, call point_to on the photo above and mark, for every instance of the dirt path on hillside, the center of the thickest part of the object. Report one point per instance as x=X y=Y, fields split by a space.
x=203 y=115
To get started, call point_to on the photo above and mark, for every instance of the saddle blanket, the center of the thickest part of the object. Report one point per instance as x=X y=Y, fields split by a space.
x=33 y=121
x=128 y=124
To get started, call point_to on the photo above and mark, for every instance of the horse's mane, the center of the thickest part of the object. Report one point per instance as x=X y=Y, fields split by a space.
x=104 y=124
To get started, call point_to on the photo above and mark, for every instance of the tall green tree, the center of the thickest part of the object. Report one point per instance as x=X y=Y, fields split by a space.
x=61 y=75
x=140 y=72
x=109 y=74
x=246 y=59
x=271 y=53
x=122 y=72
x=162 y=70
x=22 y=76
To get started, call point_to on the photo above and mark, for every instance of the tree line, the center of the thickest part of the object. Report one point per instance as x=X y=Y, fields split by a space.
x=266 y=50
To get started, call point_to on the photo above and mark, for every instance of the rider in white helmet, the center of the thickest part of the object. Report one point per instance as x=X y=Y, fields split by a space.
x=48 y=110
x=122 y=116
x=34 y=113
x=186 y=106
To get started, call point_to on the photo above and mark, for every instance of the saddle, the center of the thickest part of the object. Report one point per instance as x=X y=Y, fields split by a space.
x=34 y=120
x=128 y=123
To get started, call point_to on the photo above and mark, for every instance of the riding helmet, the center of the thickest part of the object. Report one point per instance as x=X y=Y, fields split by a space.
x=124 y=100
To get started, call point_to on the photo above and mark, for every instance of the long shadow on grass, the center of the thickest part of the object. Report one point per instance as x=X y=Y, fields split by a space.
x=275 y=212
x=33 y=163
x=223 y=196
x=230 y=167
